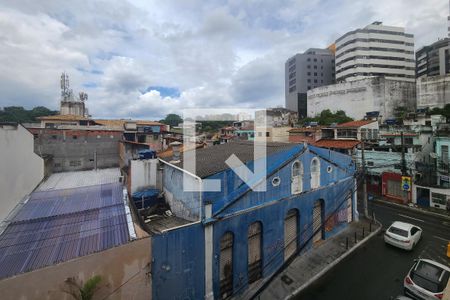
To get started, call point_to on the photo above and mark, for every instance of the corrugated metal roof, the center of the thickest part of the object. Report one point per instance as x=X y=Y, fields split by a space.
x=69 y=180
x=55 y=226
x=211 y=160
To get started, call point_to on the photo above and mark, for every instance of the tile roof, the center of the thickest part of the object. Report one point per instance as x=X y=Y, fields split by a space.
x=211 y=160
x=63 y=118
x=356 y=123
x=121 y=122
x=59 y=225
x=337 y=144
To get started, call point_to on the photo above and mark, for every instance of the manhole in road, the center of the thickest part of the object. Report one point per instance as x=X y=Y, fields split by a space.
x=286 y=279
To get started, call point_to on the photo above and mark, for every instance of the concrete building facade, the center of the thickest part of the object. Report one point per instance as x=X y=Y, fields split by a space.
x=305 y=71
x=78 y=149
x=22 y=169
x=433 y=91
x=433 y=59
x=375 y=50
x=358 y=97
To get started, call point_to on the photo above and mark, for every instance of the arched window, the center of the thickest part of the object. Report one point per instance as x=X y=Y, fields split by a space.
x=254 y=252
x=315 y=173
x=226 y=265
x=297 y=178
x=290 y=233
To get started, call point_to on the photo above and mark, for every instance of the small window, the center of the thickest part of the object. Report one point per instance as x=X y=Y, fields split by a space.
x=370 y=163
x=54 y=137
x=74 y=137
x=267 y=134
x=308 y=66
x=276 y=181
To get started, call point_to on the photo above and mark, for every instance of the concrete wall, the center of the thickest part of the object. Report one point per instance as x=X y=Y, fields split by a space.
x=184 y=204
x=74 y=150
x=276 y=134
x=433 y=91
x=125 y=272
x=21 y=169
x=360 y=96
x=143 y=174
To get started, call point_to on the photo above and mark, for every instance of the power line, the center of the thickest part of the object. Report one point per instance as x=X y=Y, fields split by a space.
x=348 y=189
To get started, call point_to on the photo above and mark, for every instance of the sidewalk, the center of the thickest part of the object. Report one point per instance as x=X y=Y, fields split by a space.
x=428 y=210
x=310 y=266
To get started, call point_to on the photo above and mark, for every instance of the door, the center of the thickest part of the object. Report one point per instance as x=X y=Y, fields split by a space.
x=349 y=208
x=254 y=252
x=317 y=221
x=290 y=233
x=297 y=178
x=226 y=265
x=415 y=234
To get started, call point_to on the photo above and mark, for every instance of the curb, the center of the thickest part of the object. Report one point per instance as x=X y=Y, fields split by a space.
x=334 y=263
x=430 y=213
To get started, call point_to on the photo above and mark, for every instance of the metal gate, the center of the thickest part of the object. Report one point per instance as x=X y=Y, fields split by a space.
x=349 y=208
x=226 y=265
x=254 y=252
x=290 y=233
x=394 y=188
x=317 y=221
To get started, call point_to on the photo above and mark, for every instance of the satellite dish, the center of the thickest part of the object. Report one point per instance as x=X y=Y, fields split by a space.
x=433 y=155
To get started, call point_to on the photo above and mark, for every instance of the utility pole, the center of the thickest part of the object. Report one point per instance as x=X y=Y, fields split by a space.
x=404 y=168
x=365 y=204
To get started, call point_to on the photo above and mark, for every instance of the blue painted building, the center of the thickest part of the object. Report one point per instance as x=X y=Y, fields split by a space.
x=238 y=237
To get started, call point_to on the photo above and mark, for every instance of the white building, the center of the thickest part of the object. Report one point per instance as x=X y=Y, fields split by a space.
x=21 y=169
x=433 y=91
x=358 y=97
x=375 y=50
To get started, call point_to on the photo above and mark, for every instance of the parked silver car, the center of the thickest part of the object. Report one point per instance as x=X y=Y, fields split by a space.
x=427 y=279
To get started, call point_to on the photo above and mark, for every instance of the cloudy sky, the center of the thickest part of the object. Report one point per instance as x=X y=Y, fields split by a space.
x=144 y=59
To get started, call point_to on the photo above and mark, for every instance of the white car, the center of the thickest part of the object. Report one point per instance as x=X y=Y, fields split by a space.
x=403 y=235
x=427 y=279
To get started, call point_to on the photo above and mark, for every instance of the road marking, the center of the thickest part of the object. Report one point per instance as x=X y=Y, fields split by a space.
x=440 y=238
x=408 y=217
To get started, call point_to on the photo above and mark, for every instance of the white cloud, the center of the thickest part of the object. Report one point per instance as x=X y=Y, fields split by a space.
x=217 y=53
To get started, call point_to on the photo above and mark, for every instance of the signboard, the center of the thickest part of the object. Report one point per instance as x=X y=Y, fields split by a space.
x=406 y=183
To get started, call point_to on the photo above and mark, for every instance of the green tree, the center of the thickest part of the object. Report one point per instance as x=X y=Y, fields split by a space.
x=172 y=120
x=22 y=115
x=327 y=117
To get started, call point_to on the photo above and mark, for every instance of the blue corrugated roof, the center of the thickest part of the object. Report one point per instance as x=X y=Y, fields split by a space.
x=55 y=226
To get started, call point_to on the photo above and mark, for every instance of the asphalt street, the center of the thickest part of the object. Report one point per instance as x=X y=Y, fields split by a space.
x=376 y=270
